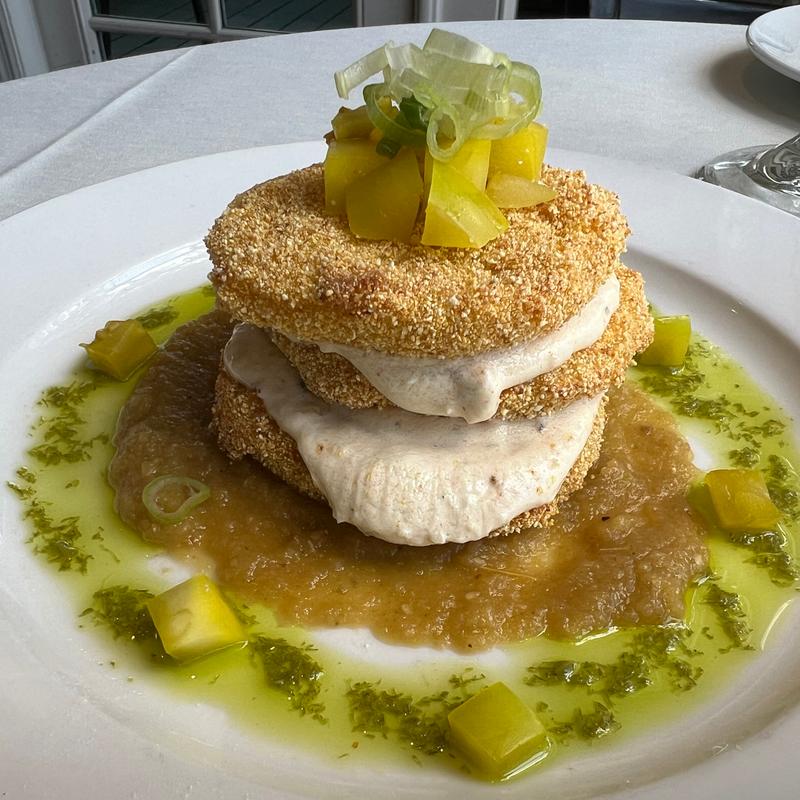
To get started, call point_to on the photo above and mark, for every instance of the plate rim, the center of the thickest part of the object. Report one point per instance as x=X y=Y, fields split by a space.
x=765 y=55
x=722 y=198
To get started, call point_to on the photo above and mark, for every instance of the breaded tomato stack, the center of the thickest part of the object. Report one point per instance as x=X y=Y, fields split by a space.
x=429 y=382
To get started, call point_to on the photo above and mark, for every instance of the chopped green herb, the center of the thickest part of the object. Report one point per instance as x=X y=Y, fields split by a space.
x=691 y=394
x=243 y=614
x=631 y=673
x=420 y=724
x=658 y=657
x=667 y=648
x=771 y=549
x=585 y=725
x=58 y=541
x=293 y=671
x=651 y=650
x=158 y=316
x=384 y=712
x=64 y=445
x=61 y=439
x=23 y=492
x=595 y=724
x=23 y=473
x=465 y=679
x=731 y=614
x=124 y=612
x=783 y=483
x=745 y=458
x=70 y=397
x=570 y=673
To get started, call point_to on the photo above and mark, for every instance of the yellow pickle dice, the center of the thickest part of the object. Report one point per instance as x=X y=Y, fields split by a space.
x=458 y=214
x=670 y=342
x=512 y=191
x=520 y=154
x=497 y=733
x=193 y=619
x=120 y=348
x=741 y=500
x=347 y=161
x=384 y=204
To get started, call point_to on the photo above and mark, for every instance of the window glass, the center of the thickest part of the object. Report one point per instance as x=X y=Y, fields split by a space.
x=288 y=16
x=163 y=10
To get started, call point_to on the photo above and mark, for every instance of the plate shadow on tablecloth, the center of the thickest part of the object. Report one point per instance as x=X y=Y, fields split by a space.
x=752 y=86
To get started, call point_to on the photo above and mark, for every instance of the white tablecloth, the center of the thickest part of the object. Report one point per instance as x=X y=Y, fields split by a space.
x=668 y=94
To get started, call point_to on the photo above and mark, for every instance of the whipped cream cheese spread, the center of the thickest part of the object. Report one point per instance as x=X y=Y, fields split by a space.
x=470 y=387
x=408 y=478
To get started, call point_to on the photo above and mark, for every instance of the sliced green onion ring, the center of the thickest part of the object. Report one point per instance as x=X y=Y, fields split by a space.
x=526 y=84
x=469 y=91
x=414 y=113
x=198 y=493
x=350 y=77
x=446 y=121
x=455 y=46
x=390 y=127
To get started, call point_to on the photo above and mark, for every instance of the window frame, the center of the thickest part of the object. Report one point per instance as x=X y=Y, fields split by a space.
x=93 y=25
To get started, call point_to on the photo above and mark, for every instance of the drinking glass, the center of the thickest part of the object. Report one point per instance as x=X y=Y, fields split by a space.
x=768 y=173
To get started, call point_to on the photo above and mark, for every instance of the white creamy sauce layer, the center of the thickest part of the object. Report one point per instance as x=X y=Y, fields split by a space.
x=408 y=478
x=470 y=387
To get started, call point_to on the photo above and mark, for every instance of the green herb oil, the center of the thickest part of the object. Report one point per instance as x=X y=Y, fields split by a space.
x=286 y=686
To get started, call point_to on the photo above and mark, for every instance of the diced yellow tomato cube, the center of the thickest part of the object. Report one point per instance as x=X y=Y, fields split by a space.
x=120 y=348
x=384 y=204
x=497 y=732
x=458 y=214
x=193 y=619
x=512 y=191
x=472 y=161
x=521 y=154
x=670 y=342
x=352 y=123
x=345 y=162
x=741 y=500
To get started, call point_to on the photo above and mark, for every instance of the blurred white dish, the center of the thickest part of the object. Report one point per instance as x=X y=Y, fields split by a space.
x=774 y=38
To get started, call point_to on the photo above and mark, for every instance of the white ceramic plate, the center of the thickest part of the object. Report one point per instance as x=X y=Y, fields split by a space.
x=73 y=728
x=774 y=39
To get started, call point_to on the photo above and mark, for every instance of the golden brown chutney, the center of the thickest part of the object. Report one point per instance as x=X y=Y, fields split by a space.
x=621 y=551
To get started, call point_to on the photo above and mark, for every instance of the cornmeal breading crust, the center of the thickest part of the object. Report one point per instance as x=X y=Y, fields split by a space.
x=587 y=373
x=279 y=262
x=244 y=427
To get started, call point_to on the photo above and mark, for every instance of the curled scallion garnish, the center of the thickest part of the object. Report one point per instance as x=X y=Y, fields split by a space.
x=394 y=128
x=198 y=493
x=461 y=90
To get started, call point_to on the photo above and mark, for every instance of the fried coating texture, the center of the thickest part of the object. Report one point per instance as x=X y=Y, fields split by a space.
x=279 y=262
x=585 y=374
x=244 y=428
